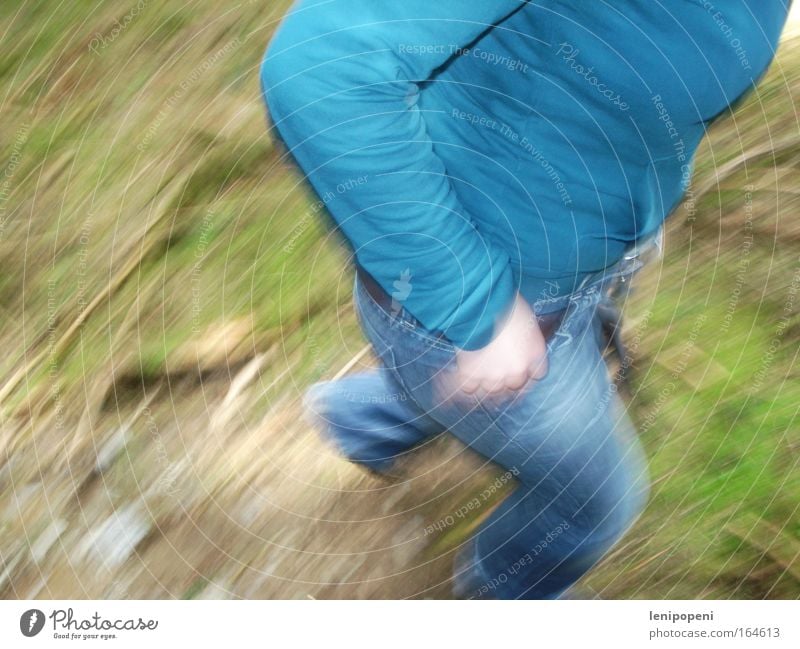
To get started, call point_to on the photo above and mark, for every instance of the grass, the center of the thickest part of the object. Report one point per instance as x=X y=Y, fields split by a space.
x=168 y=291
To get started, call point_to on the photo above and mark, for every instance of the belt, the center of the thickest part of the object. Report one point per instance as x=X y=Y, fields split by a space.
x=548 y=322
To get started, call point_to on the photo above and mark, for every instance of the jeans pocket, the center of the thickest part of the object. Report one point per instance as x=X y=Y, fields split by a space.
x=512 y=412
x=398 y=324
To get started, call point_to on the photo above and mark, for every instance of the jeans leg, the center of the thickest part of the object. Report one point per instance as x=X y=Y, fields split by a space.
x=564 y=516
x=582 y=471
x=582 y=476
x=369 y=417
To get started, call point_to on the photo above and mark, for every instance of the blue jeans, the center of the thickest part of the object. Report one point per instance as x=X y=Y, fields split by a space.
x=565 y=442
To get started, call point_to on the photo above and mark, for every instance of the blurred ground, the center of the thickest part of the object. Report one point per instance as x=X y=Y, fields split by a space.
x=168 y=292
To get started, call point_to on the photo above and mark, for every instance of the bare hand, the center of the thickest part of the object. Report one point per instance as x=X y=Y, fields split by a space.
x=516 y=355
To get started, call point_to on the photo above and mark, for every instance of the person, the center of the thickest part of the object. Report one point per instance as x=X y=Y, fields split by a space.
x=498 y=167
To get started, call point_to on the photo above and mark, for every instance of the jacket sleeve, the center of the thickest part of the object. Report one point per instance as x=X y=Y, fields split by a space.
x=340 y=80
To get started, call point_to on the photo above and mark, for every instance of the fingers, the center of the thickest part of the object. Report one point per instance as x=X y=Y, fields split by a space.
x=452 y=388
x=482 y=387
x=492 y=385
x=516 y=382
x=494 y=375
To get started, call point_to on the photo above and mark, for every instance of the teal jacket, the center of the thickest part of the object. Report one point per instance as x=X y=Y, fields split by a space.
x=471 y=149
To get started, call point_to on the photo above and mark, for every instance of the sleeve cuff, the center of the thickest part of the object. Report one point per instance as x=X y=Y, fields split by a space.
x=477 y=318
